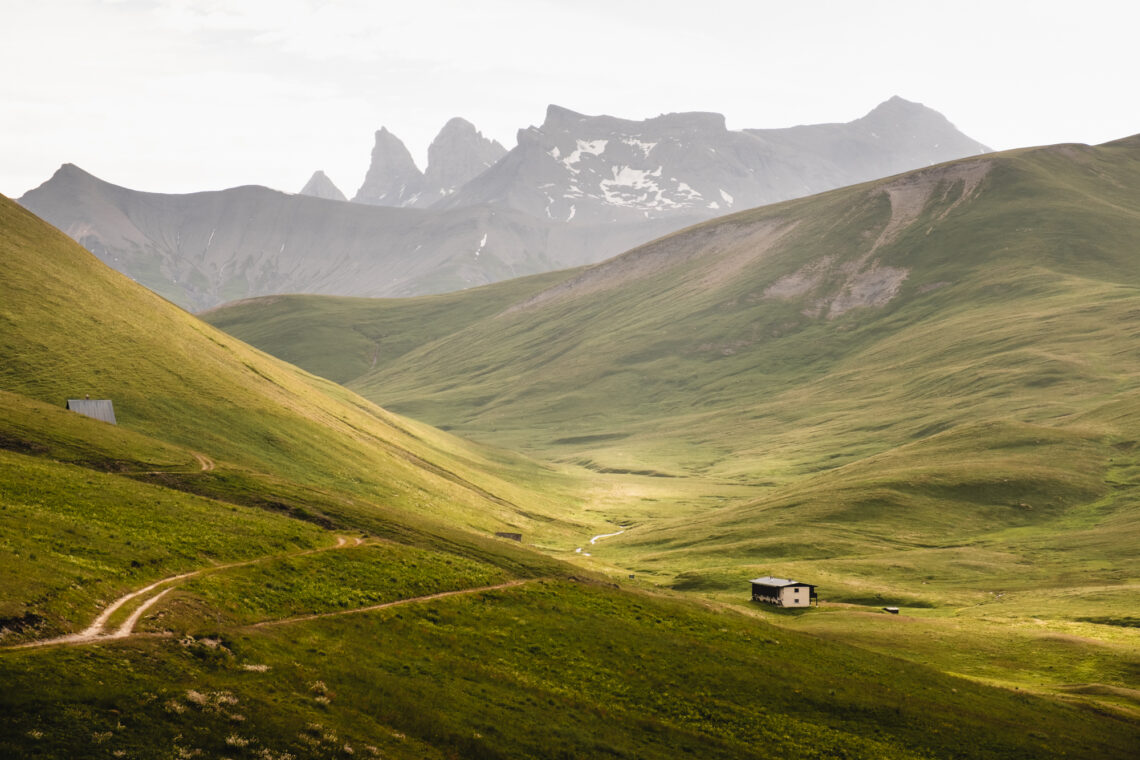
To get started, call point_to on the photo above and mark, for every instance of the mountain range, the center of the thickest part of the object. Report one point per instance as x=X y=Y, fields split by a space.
x=574 y=191
x=690 y=165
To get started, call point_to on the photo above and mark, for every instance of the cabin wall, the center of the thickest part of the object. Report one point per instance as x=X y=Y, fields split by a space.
x=789 y=597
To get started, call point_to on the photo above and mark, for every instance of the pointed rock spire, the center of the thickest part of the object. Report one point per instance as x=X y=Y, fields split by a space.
x=393 y=178
x=320 y=186
x=458 y=154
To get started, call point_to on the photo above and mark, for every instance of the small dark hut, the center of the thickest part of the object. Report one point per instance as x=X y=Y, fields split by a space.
x=99 y=409
x=511 y=536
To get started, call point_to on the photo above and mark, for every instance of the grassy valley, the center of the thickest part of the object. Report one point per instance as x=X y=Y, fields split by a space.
x=918 y=392
x=259 y=563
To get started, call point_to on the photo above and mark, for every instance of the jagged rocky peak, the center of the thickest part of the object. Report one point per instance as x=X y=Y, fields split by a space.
x=458 y=154
x=320 y=186
x=393 y=179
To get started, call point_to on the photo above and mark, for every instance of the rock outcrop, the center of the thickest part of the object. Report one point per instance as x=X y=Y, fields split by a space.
x=393 y=179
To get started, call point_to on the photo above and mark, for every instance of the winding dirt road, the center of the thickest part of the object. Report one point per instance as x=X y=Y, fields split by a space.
x=98 y=630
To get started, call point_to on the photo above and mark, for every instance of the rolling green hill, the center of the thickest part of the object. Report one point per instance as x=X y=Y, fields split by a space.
x=69 y=326
x=257 y=563
x=919 y=392
x=986 y=287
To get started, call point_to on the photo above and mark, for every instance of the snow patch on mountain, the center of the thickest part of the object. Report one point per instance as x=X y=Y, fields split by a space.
x=631 y=187
x=590 y=147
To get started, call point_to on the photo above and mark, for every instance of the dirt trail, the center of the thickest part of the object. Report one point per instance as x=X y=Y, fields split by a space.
x=205 y=464
x=98 y=628
x=396 y=603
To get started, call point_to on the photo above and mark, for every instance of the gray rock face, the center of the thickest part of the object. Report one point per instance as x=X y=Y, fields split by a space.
x=393 y=179
x=320 y=186
x=458 y=154
x=600 y=169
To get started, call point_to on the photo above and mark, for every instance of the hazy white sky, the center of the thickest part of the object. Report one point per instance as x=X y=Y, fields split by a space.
x=185 y=95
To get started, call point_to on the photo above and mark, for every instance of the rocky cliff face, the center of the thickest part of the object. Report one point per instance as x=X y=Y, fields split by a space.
x=457 y=154
x=320 y=186
x=393 y=179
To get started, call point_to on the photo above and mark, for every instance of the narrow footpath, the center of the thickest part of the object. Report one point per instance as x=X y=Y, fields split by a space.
x=396 y=603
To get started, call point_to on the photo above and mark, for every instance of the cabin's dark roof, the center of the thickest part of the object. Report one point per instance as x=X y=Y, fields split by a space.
x=768 y=580
x=100 y=409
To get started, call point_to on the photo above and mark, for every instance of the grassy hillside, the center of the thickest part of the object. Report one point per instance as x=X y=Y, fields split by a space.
x=231 y=662
x=343 y=338
x=994 y=283
x=257 y=563
x=69 y=327
x=920 y=391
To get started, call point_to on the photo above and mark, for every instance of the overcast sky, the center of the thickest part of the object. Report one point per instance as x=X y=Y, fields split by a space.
x=186 y=95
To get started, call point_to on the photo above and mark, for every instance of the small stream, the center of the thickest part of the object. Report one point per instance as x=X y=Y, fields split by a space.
x=597 y=538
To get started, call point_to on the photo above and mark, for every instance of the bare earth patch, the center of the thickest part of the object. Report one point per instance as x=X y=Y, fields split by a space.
x=865 y=281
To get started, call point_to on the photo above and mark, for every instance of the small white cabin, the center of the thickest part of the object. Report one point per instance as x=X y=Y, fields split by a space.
x=783 y=592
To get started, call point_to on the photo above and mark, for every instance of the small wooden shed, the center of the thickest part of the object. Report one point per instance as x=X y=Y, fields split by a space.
x=99 y=409
x=783 y=592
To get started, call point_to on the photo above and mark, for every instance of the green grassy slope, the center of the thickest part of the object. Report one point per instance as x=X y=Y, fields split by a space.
x=706 y=345
x=768 y=345
x=343 y=338
x=69 y=326
x=543 y=670
x=208 y=475
x=581 y=669
x=928 y=386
